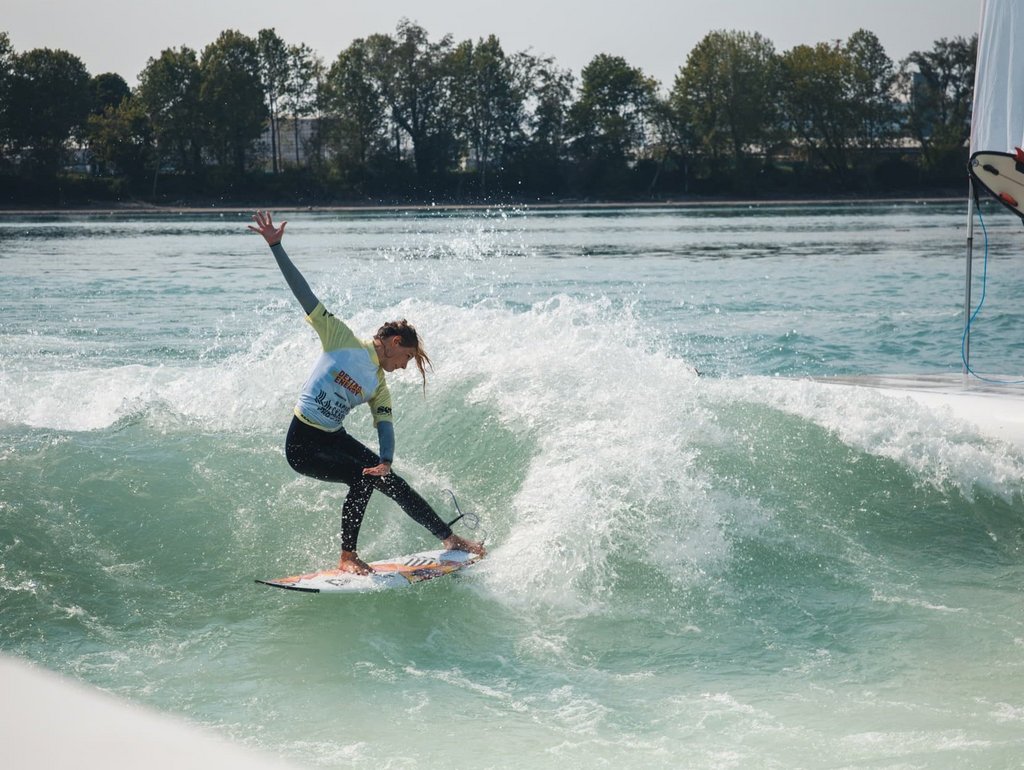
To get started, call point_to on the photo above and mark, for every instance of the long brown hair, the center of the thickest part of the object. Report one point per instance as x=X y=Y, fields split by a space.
x=408 y=338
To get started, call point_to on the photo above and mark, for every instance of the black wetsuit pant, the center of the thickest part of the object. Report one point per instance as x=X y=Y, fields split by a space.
x=339 y=457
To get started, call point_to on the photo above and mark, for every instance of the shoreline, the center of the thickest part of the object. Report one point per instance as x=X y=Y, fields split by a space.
x=130 y=208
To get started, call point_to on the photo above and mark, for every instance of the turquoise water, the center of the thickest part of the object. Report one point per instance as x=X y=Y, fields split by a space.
x=740 y=569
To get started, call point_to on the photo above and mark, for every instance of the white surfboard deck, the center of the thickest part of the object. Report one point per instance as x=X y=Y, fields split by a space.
x=1003 y=175
x=397 y=572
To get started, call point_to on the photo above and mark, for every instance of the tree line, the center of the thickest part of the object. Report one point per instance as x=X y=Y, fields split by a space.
x=405 y=117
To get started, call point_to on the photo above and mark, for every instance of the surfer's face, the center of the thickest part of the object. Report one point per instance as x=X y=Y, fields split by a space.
x=394 y=355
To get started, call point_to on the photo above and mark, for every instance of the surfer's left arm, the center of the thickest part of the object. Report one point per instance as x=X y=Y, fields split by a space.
x=386 y=437
x=380 y=407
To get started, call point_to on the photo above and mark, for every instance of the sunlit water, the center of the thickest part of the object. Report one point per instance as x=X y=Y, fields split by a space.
x=745 y=568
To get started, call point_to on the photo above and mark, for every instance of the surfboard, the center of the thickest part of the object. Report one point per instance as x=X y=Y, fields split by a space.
x=397 y=572
x=1001 y=174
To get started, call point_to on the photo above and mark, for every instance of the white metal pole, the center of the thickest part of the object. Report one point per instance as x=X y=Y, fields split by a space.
x=967 y=280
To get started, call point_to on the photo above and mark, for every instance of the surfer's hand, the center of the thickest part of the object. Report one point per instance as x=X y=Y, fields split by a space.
x=378 y=470
x=456 y=543
x=265 y=227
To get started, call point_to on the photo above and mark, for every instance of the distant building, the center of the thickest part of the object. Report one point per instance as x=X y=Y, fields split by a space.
x=296 y=144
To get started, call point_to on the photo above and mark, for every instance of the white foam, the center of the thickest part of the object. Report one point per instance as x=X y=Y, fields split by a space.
x=244 y=391
x=612 y=423
x=936 y=445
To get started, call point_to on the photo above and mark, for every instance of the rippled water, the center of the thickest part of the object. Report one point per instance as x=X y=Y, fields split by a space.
x=746 y=568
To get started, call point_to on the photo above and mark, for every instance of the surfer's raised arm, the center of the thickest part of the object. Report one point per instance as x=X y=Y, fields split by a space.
x=273 y=235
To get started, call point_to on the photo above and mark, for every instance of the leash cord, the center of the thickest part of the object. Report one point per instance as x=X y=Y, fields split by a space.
x=977 y=310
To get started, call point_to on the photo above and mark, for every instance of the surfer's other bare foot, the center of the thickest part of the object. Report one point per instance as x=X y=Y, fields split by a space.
x=456 y=543
x=351 y=563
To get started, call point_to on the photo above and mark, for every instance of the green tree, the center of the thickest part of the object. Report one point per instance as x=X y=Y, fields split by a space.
x=7 y=55
x=305 y=71
x=232 y=100
x=609 y=121
x=107 y=90
x=817 y=103
x=273 y=64
x=488 y=96
x=413 y=75
x=665 y=149
x=49 y=94
x=872 y=90
x=838 y=100
x=121 y=138
x=938 y=87
x=549 y=99
x=357 y=130
x=727 y=91
x=169 y=93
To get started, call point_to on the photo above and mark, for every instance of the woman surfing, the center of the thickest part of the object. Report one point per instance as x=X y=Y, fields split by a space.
x=350 y=372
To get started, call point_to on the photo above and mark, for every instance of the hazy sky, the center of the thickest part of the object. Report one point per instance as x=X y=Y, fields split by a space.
x=655 y=35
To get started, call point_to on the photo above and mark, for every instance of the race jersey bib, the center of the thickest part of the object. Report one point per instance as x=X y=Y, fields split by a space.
x=347 y=374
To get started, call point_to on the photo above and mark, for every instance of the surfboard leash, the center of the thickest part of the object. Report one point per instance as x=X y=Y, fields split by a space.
x=981 y=303
x=472 y=520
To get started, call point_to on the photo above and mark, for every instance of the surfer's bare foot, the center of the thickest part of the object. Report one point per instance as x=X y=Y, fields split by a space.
x=456 y=543
x=351 y=563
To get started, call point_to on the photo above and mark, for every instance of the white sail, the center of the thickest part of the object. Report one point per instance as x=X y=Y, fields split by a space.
x=997 y=123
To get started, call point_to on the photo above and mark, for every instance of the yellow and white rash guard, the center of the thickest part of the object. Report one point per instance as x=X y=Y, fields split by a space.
x=347 y=374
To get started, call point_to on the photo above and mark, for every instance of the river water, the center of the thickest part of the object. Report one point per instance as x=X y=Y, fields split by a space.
x=741 y=568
